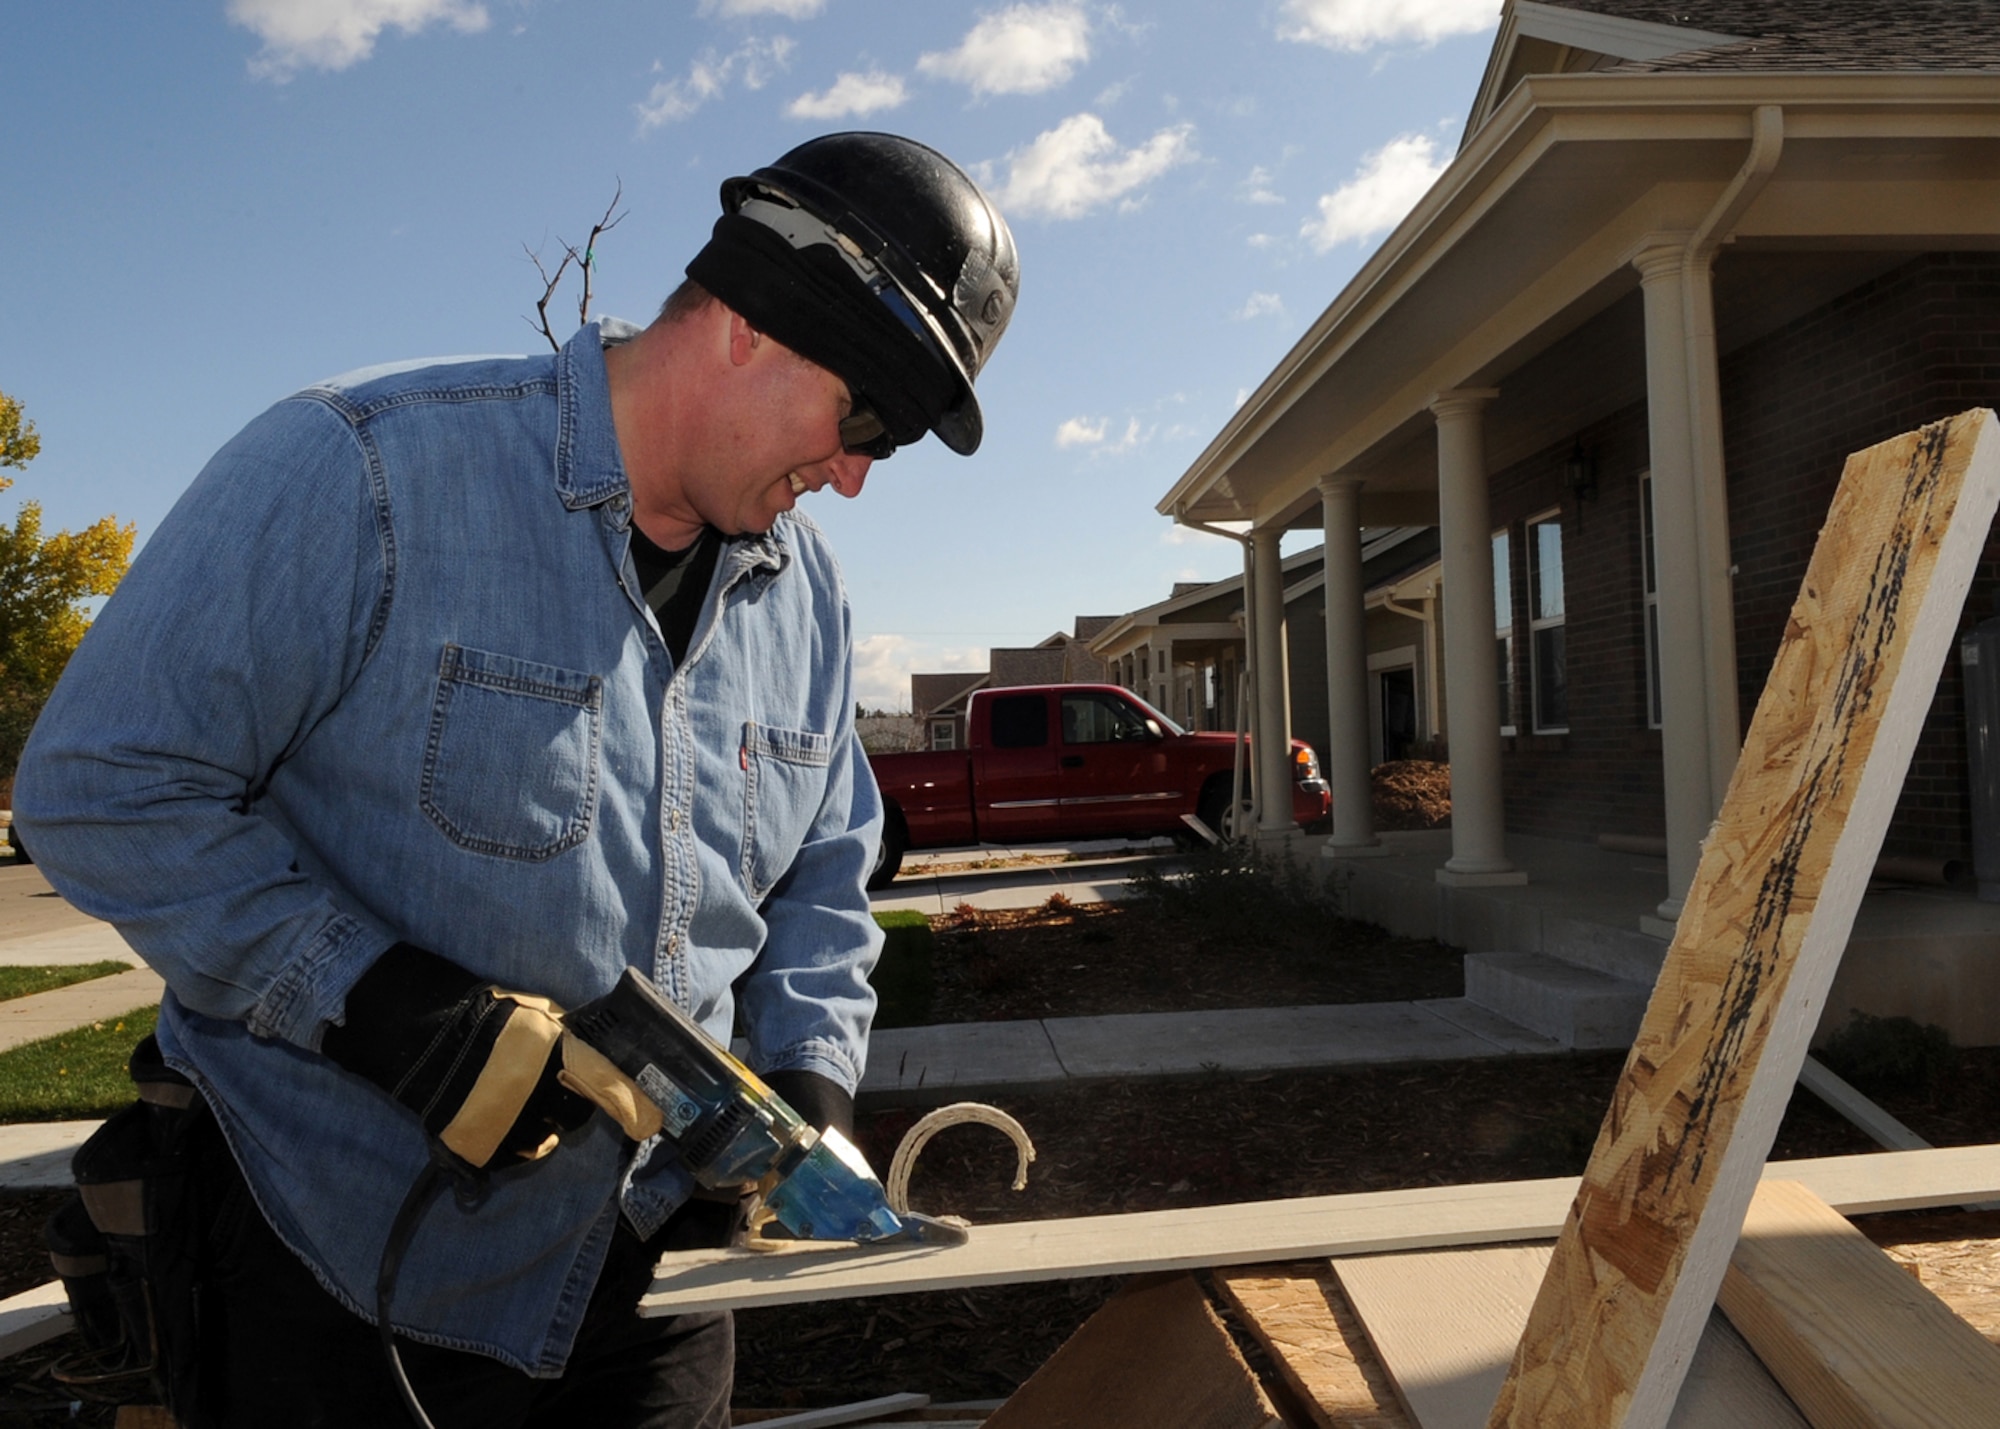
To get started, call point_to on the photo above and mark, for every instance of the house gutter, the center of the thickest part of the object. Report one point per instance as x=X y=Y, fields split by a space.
x=1704 y=387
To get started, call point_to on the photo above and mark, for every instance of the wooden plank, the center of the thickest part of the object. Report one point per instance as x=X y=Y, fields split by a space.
x=1252 y=1232
x=1445 y=1324
x=33 y=1317
x=1847 y=1099
x=1645 y=1247
x=1858 y=1342
x=1298 y=1314
x=860 y=1412
x=1155 y=1356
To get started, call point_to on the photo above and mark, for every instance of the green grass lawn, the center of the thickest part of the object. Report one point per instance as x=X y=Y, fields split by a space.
x=82 y=1073
x=74 y=1075
x=24 y=982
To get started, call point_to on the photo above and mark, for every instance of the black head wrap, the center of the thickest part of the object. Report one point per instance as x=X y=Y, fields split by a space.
x=810 y=300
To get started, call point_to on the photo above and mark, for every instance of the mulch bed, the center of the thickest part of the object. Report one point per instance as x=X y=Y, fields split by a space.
x=1145 y=1145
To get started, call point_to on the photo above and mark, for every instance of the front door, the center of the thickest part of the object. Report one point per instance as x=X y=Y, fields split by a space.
x=1399 y=712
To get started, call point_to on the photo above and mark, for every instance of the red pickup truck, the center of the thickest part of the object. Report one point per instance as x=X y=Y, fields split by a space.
x=1049 y=762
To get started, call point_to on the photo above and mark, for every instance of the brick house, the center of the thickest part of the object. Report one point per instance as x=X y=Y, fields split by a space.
x=1687 y=258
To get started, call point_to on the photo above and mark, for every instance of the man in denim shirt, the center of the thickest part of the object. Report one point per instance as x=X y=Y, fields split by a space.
x=446 y=689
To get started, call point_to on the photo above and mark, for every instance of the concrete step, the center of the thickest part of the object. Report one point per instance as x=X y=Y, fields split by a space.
x=1622 y=952
x=1578 y=1007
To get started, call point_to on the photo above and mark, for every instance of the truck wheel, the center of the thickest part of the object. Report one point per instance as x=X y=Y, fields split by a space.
x=889 y=855
x=1214 y=809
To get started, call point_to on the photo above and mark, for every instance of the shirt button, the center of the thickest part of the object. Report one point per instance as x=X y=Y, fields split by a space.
x=674 y=819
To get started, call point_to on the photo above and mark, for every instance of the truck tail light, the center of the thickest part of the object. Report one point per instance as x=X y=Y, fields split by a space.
x=1305 y=764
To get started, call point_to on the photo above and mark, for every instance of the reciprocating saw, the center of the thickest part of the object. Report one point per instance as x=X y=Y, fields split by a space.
x=732 y=1130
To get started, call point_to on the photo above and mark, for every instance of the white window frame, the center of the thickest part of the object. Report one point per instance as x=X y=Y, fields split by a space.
x=1503 y=618
x=1537 y=624
x=944 y=734
x=1649 y=598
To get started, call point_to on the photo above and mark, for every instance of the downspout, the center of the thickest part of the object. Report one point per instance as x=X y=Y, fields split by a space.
x=1244 y=684
x=1717 y=586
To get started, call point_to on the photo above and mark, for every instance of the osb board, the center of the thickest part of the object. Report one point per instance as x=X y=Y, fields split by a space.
x=1964 y=1272
x=1855 y=1340
x=1298 y=1314
x=1645 y=1246
x=1445 y=1323
x=1155 y=1356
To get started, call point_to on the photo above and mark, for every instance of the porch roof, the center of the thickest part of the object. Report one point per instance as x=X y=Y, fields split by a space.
x=1515 y=270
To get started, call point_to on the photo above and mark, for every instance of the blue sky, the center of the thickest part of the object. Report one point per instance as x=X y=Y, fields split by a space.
x=213 y=203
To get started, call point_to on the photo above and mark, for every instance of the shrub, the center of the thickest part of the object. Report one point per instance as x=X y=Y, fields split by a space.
x=1232 y=888
x=1892 y=1055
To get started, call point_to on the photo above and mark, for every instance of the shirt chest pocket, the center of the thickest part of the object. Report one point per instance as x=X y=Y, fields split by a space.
x=784 y=782
x=511 y=760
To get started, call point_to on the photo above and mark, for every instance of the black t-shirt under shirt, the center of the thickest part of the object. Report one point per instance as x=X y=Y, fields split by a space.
x=675 y=583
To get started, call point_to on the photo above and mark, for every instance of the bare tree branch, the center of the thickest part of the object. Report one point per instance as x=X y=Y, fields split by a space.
x=589 y=260
x=586 y=262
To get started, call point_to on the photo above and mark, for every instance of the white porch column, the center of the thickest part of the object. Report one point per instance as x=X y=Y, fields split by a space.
x=1711 y=501
x=1684 y=734
x=1270 y=744
x=1346 y=751
x=1472 y=708
x=1166 y=682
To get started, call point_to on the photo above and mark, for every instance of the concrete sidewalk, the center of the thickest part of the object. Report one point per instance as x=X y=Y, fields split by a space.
x=971 y=1059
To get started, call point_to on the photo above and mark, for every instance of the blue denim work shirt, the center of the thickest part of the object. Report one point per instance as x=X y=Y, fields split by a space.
x=385 y=673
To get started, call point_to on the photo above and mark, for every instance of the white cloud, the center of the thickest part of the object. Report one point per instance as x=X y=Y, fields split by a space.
x=1385 y=187
x=739 y=9
x=851 y=94
x=1080 y=432
x=333 y=34
x=1077 y=166
x=752 y=62
x=883 y=665
x=1260 y=240
x=1257 y=187
x=1261 y=305
x=1362 y=24
x=1023 y=49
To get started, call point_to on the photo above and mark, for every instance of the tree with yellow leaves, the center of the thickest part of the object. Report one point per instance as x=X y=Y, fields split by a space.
x=44 y=582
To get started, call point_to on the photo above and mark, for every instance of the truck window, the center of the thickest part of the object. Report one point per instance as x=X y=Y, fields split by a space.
x=1100 y=719
x=1020 y=721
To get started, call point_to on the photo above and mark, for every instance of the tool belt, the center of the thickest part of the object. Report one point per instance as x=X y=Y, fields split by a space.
x=129 y=1245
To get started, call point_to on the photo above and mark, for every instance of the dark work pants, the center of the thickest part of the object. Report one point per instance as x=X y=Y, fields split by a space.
x=280 y=1351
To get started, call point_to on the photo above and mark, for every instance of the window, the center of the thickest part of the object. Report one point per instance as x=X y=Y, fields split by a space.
x=943 y=734
x=1503 y=626
x=1020 y=721
x=1100 y=719
x=1546 y=624
x=1650 y=575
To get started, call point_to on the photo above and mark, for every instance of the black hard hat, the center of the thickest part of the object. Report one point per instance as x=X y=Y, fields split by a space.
x=919 y=235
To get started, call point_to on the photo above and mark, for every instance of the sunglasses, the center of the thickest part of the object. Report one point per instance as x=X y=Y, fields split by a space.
x=864 y=433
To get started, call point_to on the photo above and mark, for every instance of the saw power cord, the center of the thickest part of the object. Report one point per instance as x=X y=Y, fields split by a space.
x=470 y=1186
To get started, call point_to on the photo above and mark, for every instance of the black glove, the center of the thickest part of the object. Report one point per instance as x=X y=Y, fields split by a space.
x=488 y=1072
x=820 y=1100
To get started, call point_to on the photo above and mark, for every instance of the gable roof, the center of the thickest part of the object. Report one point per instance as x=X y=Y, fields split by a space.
x=1679 y=36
